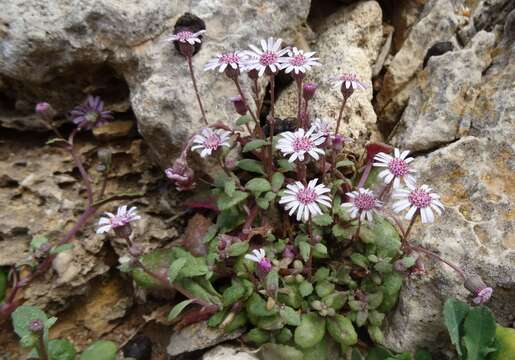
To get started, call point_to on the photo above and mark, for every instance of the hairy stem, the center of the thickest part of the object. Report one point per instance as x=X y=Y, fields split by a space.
x=340 y=116
x=298 y=80
x=438 y=257
x=42 y=352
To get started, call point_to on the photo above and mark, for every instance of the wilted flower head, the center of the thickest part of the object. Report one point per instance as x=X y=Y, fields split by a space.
x=308 y=90
x=299 y=62
x=299 y=143
x=117 y=222
x=268 y=58
x=259 y=256
x=36 y=325
x=478 y=288
x=90 y=114
x=185 y=36
x=362 y=204
x=239 y=104
x=230 y=62
x=349 y=83
x=421 y=198
x=305 y=200
x=397 y=168
x=210 y=140
x=181 y=174
x=46 y=111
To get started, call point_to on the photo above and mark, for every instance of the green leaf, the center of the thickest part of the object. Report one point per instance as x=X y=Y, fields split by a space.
x=408 y=261
x=285 y=165
x=254 y=144
x=359 y=259
x=256 y=306
x=258 y=185
x=279 y=352
x=378 y=353
x=29 y=341
x=175 y=269
x=242 y=120
x=277 y=181
x=230 y=187
x=324 y=288
x=392 y=284
x=251 y=165
x=479 y=333
x=383 y=235
x=272 y=282
x=237 y=322
x=342 y=330
x=323 y=220
x=289 y=316
x=257 y=336
x=284 y=336
x=423 y=355
x=336 y=300
x=321 y=274
x=229 y=219
x=61 y=248
x=217 y=318
x=238 y=248
x=23 y=316
x=100 y=350
x=37 y=241
x=375 y=334
x=177 y=309
x=305 y=250
x=356 y=355
x=305 y=288
x=383 y=267
x=225 y=202
x=319 y=251
x=60 y=349
x=310 y=331
x=454 y=312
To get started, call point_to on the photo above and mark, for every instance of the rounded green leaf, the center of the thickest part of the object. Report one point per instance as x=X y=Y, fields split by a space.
x=238 y=248
x=60 y=349
x=23 y=316
x=258 y=185
x=289 y=316
x=254 y=145
x=175 y=269
x=305 y=288
x=257 y=336
x=342 y=330
x=277 y=181
x=177 y=309
x=100 y=350
x=310 y=331
x=280 y=352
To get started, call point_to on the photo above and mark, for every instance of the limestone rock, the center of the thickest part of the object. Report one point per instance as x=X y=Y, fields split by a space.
x=223 y=352
x=474 y=175
x=349 y=41
x=446 y=93
x=198 y=336
x=438 y=22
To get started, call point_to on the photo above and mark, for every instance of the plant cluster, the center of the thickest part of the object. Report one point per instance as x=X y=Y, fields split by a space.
x=307 y=251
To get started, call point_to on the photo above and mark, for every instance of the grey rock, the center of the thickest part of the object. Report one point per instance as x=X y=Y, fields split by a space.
x=224 y=352
x=348 y=41
x=445 y=94
x=198 y=336
x=474 y=176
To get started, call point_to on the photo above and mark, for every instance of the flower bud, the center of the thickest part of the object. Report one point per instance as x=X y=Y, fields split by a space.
x=239 y=104
x=346 y=91
x=36 y=325
x=308 y=91
x=289 y=252
x=46 y=111
x=105 y=157
x=478 y=288
x=181 y=174
x=337 y=142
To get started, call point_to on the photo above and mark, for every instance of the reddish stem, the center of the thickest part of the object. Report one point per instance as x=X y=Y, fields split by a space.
x=340 y=116
x=190 y=65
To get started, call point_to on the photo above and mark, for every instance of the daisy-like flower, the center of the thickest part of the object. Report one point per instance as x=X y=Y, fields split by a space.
x=421 y=198
x=259 y=256
x=481 y=292
x=482 y=295
x=90 y=114
x=349 y=82
x=118 y=222
x=186 y=36
x=362 y=204
x=210 y=140
x=305 y=200
x=321 y=126
x=397 y=168
x=299 y=143
x=225 y=60
x=300 y=62
x=269 y=57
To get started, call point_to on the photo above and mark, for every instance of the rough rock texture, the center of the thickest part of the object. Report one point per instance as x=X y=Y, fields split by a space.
x=223 y=352
x=445 y=96
x=349 y=41
x=43 y=192
x=475 y=178
x=438 y=22
x=198 y=336
x=103 y=44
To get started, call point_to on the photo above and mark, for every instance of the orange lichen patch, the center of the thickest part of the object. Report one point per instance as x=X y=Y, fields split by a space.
x=500 y=181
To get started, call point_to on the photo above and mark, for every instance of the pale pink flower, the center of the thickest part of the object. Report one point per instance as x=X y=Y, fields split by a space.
x=416 y=199
x=397 y=168
x=321 y=126
x=259 y=256
x=187 y=37
x=349 y=82
x=362 y=204
x=299 y=143
x=305 y=200
x=482 y=295
x=122 y=218
x=210 y=140
x=299 y=62
x=269 y=57
x=222 y=61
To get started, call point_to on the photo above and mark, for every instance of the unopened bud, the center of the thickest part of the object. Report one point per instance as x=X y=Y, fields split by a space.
x=289 y=252
x=478 y=288
x=105 y=156
x=346 y=91
x=309 y=90
x=36 y=325
x=46 y=111
x=337 y=142
x=239 y=104
x=297 y=264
